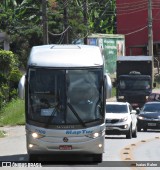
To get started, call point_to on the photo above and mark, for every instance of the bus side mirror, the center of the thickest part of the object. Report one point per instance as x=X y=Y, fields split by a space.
x=108 y=86
x=21 y=87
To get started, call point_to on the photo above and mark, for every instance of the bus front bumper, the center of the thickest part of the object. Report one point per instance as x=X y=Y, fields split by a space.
x=85 y=145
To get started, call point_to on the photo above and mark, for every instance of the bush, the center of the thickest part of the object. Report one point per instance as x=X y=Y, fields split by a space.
x=14 y=78
x=9 y=76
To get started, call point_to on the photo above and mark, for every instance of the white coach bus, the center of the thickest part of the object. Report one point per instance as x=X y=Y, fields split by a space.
x=65 y=91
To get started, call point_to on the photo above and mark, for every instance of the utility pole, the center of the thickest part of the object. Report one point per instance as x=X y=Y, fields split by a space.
x=65 y=3
x=44 y=21
x=150 y=33
x=150 y=36
x=85 y=11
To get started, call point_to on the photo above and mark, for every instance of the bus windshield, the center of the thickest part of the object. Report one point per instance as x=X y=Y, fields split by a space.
x=65 y=97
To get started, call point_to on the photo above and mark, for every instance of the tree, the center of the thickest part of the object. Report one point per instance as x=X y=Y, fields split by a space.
x=22 y=20
x=102 y=16
x=9 y=76
x=65 y=18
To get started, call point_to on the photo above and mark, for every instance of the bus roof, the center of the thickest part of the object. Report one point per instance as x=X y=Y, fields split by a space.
x=65 y=56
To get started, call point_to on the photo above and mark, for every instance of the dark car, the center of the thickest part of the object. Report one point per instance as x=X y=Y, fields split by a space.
x=154 y=97
x=149 y=116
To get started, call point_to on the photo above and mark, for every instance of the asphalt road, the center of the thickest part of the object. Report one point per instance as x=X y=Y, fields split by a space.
x=146 y=147
x=120 y=152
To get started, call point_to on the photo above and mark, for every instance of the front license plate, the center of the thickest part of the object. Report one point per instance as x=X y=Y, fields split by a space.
x=65 y=147
x=151 y=124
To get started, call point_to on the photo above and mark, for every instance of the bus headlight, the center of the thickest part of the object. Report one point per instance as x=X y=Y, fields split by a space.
x=36 y=135
x=30 y=145
x=100 y=145
x=94 y=135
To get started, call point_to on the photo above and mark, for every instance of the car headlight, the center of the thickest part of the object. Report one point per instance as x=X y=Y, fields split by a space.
x=141 y=118
x=123 y=119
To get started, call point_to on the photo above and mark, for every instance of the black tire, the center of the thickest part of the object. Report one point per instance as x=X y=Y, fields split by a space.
x=139 y=129
x=129 y=134
x=134 y=133
x=97 y=158
x=145 y=129
x=33 y=158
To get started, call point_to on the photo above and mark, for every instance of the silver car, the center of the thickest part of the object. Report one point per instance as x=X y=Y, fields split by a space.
x=121 y=119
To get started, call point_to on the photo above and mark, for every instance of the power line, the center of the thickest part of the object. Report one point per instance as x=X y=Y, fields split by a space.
x=59 y=33
x=132 y=6
x=61 y=39
x=132 y=9
x=133 y=32
x=131 y=3
x=126 y=13
x=135 y=6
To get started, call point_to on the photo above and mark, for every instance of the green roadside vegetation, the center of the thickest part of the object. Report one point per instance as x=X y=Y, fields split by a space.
x=13 y=113
x=113 y=91
x=2 y=134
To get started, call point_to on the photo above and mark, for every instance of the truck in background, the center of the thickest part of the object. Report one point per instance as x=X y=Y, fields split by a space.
x=134 y=79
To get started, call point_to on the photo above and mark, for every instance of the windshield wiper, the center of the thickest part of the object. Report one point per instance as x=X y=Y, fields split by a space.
x=75 y=113
x=56 y=111
x=51 y=117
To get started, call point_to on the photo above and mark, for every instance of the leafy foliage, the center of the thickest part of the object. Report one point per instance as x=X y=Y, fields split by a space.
x=9 y=76
x=22 y=21
x=7 y=60
x=102 y=16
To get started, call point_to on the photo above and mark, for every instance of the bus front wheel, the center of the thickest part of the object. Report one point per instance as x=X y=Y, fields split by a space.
x=32 y=158
x=98 y=158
